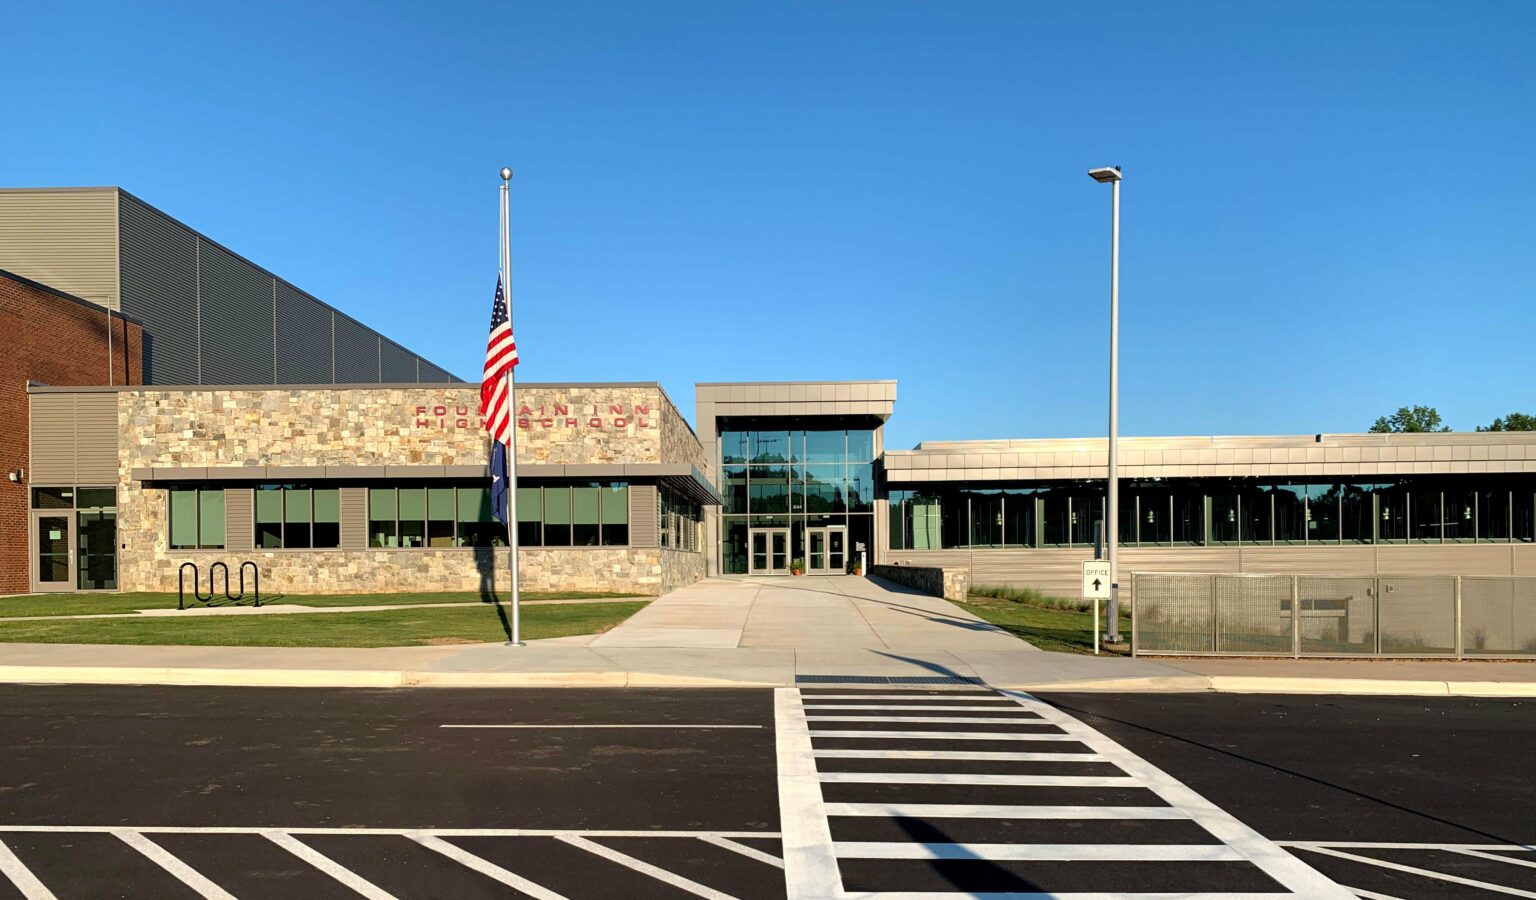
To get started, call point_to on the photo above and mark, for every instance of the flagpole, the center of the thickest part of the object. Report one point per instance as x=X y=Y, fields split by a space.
x=506 y=283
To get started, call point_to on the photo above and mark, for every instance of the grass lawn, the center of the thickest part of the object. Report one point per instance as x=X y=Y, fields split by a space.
x=1049 y=628
x=87 y=603
x=388 y=628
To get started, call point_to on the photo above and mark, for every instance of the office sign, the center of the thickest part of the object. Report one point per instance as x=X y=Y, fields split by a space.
x=1095 y=579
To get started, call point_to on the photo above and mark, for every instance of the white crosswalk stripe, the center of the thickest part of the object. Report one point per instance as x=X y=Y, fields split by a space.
x=874 y=779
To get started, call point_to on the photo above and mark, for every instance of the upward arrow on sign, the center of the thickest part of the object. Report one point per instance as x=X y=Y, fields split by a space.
x=1097 y=584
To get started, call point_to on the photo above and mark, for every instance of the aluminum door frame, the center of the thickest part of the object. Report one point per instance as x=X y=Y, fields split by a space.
x=39 y=586
x=767 y=534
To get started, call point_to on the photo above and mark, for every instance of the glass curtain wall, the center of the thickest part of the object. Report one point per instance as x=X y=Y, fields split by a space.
x=1218 y=512
x=797 y=479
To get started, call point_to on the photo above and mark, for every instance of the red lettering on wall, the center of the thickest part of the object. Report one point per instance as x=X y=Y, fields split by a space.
x=620 y=422
x=421 y=410
x=595 y=422
x=562 y=410
x=615 y=409
x=546 y=423
x=461 y=410
x=460 y=423
x=525 y=411
x=522 y=423
x=642 y=410
x=423 y=423
x=440 y=411
x=641 y=422
x=572 y=423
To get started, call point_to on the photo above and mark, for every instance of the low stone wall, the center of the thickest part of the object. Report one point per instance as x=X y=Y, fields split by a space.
x=951 y=584
x=631 y=570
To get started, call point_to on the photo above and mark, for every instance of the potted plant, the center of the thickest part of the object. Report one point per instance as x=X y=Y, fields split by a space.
x=797 y=567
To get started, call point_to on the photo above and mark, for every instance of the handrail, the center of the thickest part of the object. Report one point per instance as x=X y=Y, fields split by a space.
x=197 y=593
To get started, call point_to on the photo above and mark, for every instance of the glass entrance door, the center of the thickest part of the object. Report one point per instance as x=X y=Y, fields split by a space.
x=826 y=549
x=768 y=551
x=96 y=562
x=53 y=563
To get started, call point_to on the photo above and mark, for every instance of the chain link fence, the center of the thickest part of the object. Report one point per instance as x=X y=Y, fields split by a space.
x=1329 y=615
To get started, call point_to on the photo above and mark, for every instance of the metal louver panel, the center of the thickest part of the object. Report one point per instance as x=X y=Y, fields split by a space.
x=236 y=319
x=398 y=364
x=354 y=518
x=357 y=353
x=303 y=338
x=239 y=522
x=96 y=439
x=52 y=429
x=642 y=515
x=159 y=288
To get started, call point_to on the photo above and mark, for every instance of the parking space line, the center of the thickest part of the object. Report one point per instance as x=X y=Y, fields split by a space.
x=744 y=850
x=1467 y=851
x=1039 y=852
x=183 y=872
x=1414 y=870
x=1364 y=894
x=599 y=726
x=645 y=868
x=999 y=811
x=329 y=866
x=402 y=832
x=485 y=867
x=1114 y=781
x=13 y=868
x=1065 y=895
x=978 y=755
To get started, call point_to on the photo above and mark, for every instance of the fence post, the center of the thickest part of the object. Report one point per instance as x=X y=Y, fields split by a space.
x=1461 y=648
x=1295 y=616
x=1215 y=618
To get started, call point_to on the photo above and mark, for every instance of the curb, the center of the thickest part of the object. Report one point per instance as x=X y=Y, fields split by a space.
x=368 y=678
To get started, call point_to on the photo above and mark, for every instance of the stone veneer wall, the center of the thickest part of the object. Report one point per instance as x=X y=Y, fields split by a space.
x=368 y=427
x=951 y=584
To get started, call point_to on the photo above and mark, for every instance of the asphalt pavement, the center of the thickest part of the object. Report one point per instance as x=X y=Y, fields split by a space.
x=814 y=792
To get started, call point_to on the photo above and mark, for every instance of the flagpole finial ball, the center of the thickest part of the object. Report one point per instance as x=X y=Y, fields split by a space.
x=506 y=174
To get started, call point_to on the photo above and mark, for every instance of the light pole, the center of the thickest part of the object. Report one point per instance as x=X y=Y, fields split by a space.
x=1111 y=176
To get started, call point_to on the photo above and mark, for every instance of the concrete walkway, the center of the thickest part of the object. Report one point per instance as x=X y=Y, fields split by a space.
x=757 y=632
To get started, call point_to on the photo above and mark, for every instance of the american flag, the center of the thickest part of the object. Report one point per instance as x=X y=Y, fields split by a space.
x=500 y=357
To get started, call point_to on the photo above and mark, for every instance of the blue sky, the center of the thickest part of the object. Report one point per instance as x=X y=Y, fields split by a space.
x=1316 y=229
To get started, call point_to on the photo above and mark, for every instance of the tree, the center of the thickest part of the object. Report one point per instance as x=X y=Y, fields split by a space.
x=1513 y=422
x=1415 y=419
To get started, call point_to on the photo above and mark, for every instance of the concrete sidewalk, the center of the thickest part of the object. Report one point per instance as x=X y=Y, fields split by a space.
x=759 y=632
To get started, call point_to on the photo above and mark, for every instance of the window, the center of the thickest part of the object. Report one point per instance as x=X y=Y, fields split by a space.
x=1018 y=518
x=297 y=517
x=986 y=517
x=678 y=521
x=614 y=500
x=438 y=517
x=530 y=517
x=197 y=518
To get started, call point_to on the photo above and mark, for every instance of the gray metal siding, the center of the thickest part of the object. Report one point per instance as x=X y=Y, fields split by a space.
x=430 y=374
x=73 y=439
x=239 y=519
x=303 y=337
x=643 y=510
x=96 y=439
x=66 y=239
x=398 y=364
x=236 y=319
x=159 y=288
x=52 y=432
x=357 y=352
x=354 y=518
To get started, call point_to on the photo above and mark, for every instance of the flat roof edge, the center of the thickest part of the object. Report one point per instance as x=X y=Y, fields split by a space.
x=367 y=385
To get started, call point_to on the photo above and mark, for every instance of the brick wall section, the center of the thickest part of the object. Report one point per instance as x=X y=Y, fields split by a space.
x=50 y=338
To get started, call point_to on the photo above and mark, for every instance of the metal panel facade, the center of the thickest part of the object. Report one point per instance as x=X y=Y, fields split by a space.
x=357 y=352
x=64 y=238
x=159 y=287
x=96 y=439
x=53 y=439
x=430 y=374
x=239 y=519
x=236 y=319
x=643 y=516
x=397 y=364
x=354 y=518
x=303 y=337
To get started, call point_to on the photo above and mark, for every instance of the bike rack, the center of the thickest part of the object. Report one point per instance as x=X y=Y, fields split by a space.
x=197 y=593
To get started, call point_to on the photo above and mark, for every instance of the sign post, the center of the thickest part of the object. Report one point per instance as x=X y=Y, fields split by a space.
x=1096 y=587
